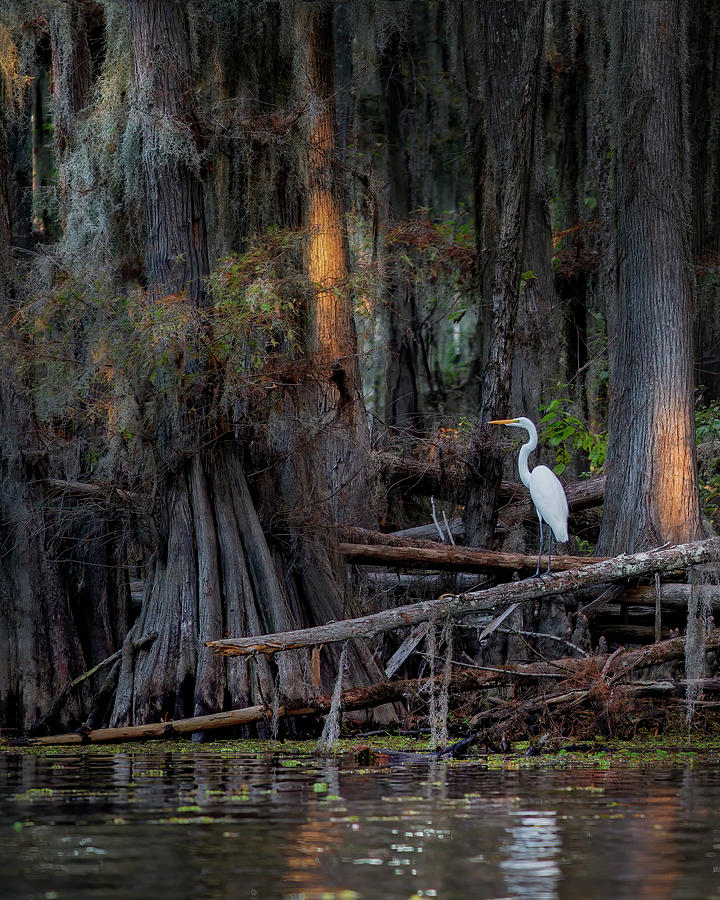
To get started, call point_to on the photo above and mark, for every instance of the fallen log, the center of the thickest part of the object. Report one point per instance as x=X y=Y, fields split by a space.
x=160 y=730
x=613 y=569
x=463 y=559
x=56 y=705
x=445 y=476
x=617 y=665
x=421 y=583
x=354 y=536
x=673 y=595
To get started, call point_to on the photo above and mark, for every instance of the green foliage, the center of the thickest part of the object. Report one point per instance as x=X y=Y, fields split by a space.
x=707 y=422
x=710 y=498
x=526 y=278
x=256 y=301
x=707 y=431
x=566 y=432
x=584 y=548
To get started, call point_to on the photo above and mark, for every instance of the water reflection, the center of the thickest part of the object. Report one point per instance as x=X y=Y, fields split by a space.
x=531 y=865
x=216 y=825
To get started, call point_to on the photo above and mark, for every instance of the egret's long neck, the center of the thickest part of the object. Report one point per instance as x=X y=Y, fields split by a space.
x=525 y=451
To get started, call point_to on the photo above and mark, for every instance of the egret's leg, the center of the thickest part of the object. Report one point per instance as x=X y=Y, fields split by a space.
x=537 y=571
x=550 y=537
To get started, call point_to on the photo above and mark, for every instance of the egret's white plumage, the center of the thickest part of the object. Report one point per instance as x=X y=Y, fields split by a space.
x=545 y=489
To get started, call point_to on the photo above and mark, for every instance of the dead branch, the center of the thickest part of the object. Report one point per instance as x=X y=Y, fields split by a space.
x=43 y=721
x=471 y=679
x=83 y=490
x=353 y=535
x=422 y=532
x=614 y=569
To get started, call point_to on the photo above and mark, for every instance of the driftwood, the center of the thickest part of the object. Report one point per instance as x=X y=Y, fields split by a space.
x=611 y=668
x=614 y=569
x=352 y=536
x=463 y=559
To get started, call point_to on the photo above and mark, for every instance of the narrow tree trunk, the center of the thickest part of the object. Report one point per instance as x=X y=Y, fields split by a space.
x=71 y=70
x=652 y=492
x=486 y=458
x=401 y=391
x=176 y=243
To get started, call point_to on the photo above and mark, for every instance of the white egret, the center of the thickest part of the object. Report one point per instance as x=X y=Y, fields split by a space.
x=545 y=489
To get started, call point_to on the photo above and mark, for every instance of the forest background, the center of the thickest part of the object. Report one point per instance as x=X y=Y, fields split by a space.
x=261 y=260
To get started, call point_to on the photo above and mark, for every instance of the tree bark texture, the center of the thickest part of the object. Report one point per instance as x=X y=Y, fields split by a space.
x=175 y=241
x=401 y=384
x=332 y=338
x=213 y=574
x=212 y=571
x=71 y=86
x=40 y=628
x=485 y=467
x=652 y=492
x=464 y=559
x=6 y=253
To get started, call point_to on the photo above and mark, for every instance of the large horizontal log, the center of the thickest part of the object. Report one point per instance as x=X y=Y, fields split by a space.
x=463 y=559
x=615 y=569
x=445 y=476
x=673 y=595
x=368 y=696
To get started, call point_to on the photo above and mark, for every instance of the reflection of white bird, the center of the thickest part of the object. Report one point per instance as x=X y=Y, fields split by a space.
x=545 y=489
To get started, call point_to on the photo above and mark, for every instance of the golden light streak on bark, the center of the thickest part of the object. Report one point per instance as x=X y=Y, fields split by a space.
x=674 y=495
x=327 y=255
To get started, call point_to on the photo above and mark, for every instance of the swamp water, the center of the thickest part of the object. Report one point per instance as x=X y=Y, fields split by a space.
x=227 y=824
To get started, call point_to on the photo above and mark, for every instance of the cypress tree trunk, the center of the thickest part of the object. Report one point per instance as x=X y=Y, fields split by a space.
x=213 y=572
x=332 y=339
x=486 y=457
x=401 y=392
x=40 y=647
x=652 y=493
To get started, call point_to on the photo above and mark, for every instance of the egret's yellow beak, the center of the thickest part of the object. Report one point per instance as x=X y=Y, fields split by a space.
x=502 y=421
